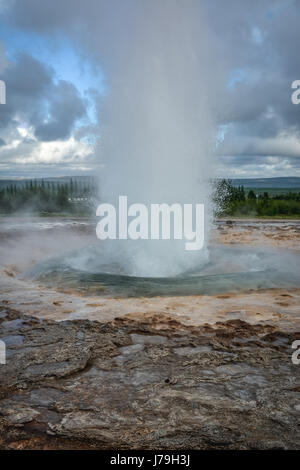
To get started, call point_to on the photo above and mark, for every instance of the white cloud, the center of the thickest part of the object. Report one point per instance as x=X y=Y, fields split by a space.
x=57 y=152
x=24 y=156
x=283 y=145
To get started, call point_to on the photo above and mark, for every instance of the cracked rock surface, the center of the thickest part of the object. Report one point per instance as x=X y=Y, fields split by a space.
x=152 y=384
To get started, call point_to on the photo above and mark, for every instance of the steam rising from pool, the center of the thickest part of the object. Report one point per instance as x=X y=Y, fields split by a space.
x=230 y=269
x=156 y=125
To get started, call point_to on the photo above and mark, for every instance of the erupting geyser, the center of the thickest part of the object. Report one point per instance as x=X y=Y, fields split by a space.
x=156 y=125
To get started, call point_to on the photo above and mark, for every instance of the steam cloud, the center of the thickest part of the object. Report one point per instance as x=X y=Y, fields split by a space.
x=156 y=122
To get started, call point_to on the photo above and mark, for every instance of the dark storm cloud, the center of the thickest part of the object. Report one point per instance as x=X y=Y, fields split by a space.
x=51 y=107
x=26 y=80
x=47 y=16
x=256 y=60
x=260 y=49
x=65 y=107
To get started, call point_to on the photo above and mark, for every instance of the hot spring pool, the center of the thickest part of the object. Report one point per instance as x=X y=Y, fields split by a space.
x=230 y=269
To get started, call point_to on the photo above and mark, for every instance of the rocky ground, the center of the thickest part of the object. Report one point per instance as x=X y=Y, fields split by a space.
x=281 y=233
x=152 y=383
x=189 y=372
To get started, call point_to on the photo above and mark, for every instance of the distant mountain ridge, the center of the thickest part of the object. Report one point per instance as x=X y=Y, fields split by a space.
x=285 y=182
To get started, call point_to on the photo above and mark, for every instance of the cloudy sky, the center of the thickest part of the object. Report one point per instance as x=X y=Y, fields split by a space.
x=57 y=80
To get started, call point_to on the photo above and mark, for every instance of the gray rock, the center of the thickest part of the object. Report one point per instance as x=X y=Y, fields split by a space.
x=130 y=385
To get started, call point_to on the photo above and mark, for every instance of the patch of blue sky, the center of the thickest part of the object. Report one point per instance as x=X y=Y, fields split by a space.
x=245 y=75
x=236 y=76
x=60 y=55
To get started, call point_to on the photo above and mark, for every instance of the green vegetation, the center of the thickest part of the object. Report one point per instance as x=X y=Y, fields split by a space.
x=78 y=198
x=238 y=202
x=47 y=198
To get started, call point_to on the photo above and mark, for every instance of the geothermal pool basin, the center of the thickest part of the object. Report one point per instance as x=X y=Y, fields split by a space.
x=230 y=269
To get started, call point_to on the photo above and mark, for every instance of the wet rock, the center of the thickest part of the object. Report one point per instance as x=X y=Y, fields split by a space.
x=144 y=384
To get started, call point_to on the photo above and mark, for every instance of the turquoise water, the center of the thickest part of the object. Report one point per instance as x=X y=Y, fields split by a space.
x=230 y=269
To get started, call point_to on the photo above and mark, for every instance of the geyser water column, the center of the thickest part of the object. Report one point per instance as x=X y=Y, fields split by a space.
x=156 y=126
